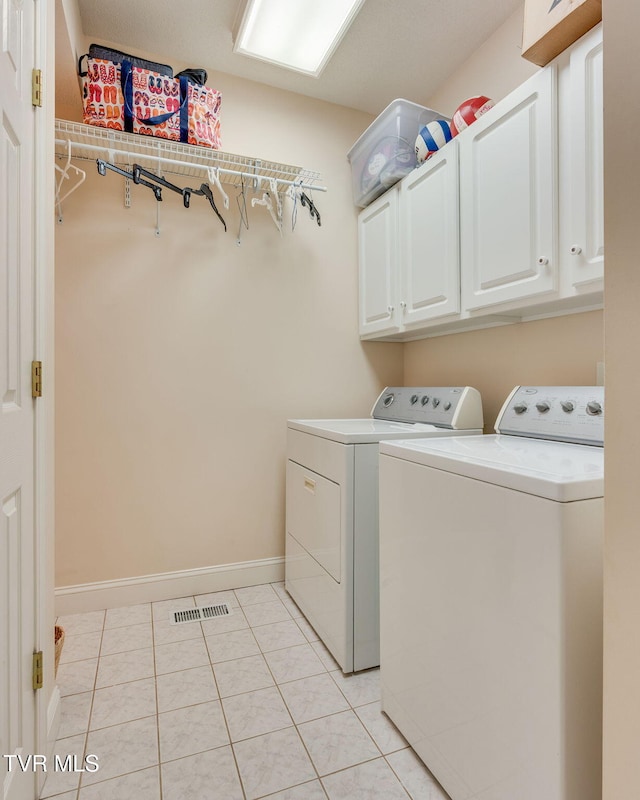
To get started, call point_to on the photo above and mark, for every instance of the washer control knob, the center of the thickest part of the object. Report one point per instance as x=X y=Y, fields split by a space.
x=425 y=399
x=414 y=399
x=567 y=406
x=543 y=406
x=388 y=400
x=447 y=405
x=520 y=408
x=594 y=408
x=436 y=402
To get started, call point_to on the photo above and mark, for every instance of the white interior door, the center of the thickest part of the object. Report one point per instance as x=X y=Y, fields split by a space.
x=17 y=583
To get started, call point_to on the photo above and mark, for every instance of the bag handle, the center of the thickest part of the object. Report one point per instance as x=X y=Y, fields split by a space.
x=127 y=91
x=195 y=75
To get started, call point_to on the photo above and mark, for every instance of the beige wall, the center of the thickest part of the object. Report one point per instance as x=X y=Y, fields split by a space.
x=493 y=70
x=180 y=358
x=132 y=336
x=563 y=350
x=622 y=453
x=551 y=352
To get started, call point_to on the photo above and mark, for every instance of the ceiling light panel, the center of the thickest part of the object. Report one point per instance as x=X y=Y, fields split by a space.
x=300 y=35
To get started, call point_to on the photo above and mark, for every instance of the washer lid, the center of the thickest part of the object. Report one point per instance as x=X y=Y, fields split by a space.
x=363 y=431
x=555 y=470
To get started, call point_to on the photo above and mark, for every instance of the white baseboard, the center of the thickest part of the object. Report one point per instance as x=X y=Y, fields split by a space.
x=166 y=585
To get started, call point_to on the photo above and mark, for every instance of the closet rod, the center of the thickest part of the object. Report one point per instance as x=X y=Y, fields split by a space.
x=135 y=157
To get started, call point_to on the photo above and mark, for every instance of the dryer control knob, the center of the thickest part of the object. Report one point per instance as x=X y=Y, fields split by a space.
x=447 y=405
x=520 y=408
x=567 y=406
x=594 y=408
x=414 y=399
x=425 y=399
x=436 y=402
x=388 y=400
x=543 y=407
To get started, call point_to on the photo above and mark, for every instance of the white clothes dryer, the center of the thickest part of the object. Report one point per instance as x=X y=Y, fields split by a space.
x=331 y=565
x=491 y=599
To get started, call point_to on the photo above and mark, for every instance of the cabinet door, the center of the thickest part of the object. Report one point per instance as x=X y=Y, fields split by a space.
x=508 y=198
x=429 y=240
x=378 y=262
x=586 y=242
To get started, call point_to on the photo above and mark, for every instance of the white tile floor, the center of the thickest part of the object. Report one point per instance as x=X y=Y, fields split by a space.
x=236 y=708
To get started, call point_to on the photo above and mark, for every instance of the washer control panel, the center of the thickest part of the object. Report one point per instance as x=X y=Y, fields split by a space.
x=562 y=413
x=455 y=407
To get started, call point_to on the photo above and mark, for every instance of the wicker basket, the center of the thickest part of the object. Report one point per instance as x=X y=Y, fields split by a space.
x=59 y=642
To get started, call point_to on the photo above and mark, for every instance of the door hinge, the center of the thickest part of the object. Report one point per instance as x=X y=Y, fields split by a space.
x=36 y=378
x=36 y=88
x=38 y=672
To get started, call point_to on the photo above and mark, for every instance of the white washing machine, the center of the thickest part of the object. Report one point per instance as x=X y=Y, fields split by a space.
x=331 y=567
x=491 y=599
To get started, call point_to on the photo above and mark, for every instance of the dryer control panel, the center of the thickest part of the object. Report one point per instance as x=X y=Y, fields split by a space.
x=455 y=407
x=561 y=413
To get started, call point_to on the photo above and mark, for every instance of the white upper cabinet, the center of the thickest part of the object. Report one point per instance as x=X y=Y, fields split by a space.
x=430 y=240
x=508 y=198
x=505 y=223
x=582 y=242
x=378 y=260
x=409 y=246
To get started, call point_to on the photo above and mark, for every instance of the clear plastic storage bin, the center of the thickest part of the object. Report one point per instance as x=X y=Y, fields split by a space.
x=385 y=152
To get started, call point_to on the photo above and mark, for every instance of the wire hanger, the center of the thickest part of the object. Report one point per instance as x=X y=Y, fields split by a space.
x=103 y=166
x=242 y=208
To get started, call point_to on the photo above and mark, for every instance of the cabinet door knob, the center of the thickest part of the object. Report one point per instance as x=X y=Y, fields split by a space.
x=390 y=309
x=542 y=261
x=575 y=250
x=403 y=306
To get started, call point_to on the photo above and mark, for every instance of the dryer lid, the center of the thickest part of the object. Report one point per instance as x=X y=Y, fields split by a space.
x=363 y=431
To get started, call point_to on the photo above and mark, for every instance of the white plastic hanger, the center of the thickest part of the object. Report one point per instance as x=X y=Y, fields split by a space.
x=214 y=180
x=267 y=203
x=293 y=192
x=66 y=172
x=273 y=184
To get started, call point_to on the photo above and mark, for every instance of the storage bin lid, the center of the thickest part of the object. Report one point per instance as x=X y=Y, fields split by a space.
x=406 y=113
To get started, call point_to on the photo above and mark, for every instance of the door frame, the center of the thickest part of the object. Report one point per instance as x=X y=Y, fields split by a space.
x=48 y=698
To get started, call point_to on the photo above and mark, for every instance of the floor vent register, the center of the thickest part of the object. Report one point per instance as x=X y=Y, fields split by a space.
x=182 y=616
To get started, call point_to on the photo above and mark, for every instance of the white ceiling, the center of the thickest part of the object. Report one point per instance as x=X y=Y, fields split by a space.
x=395 y=48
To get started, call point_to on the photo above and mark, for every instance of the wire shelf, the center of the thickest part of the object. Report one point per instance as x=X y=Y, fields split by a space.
x=86 y=142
